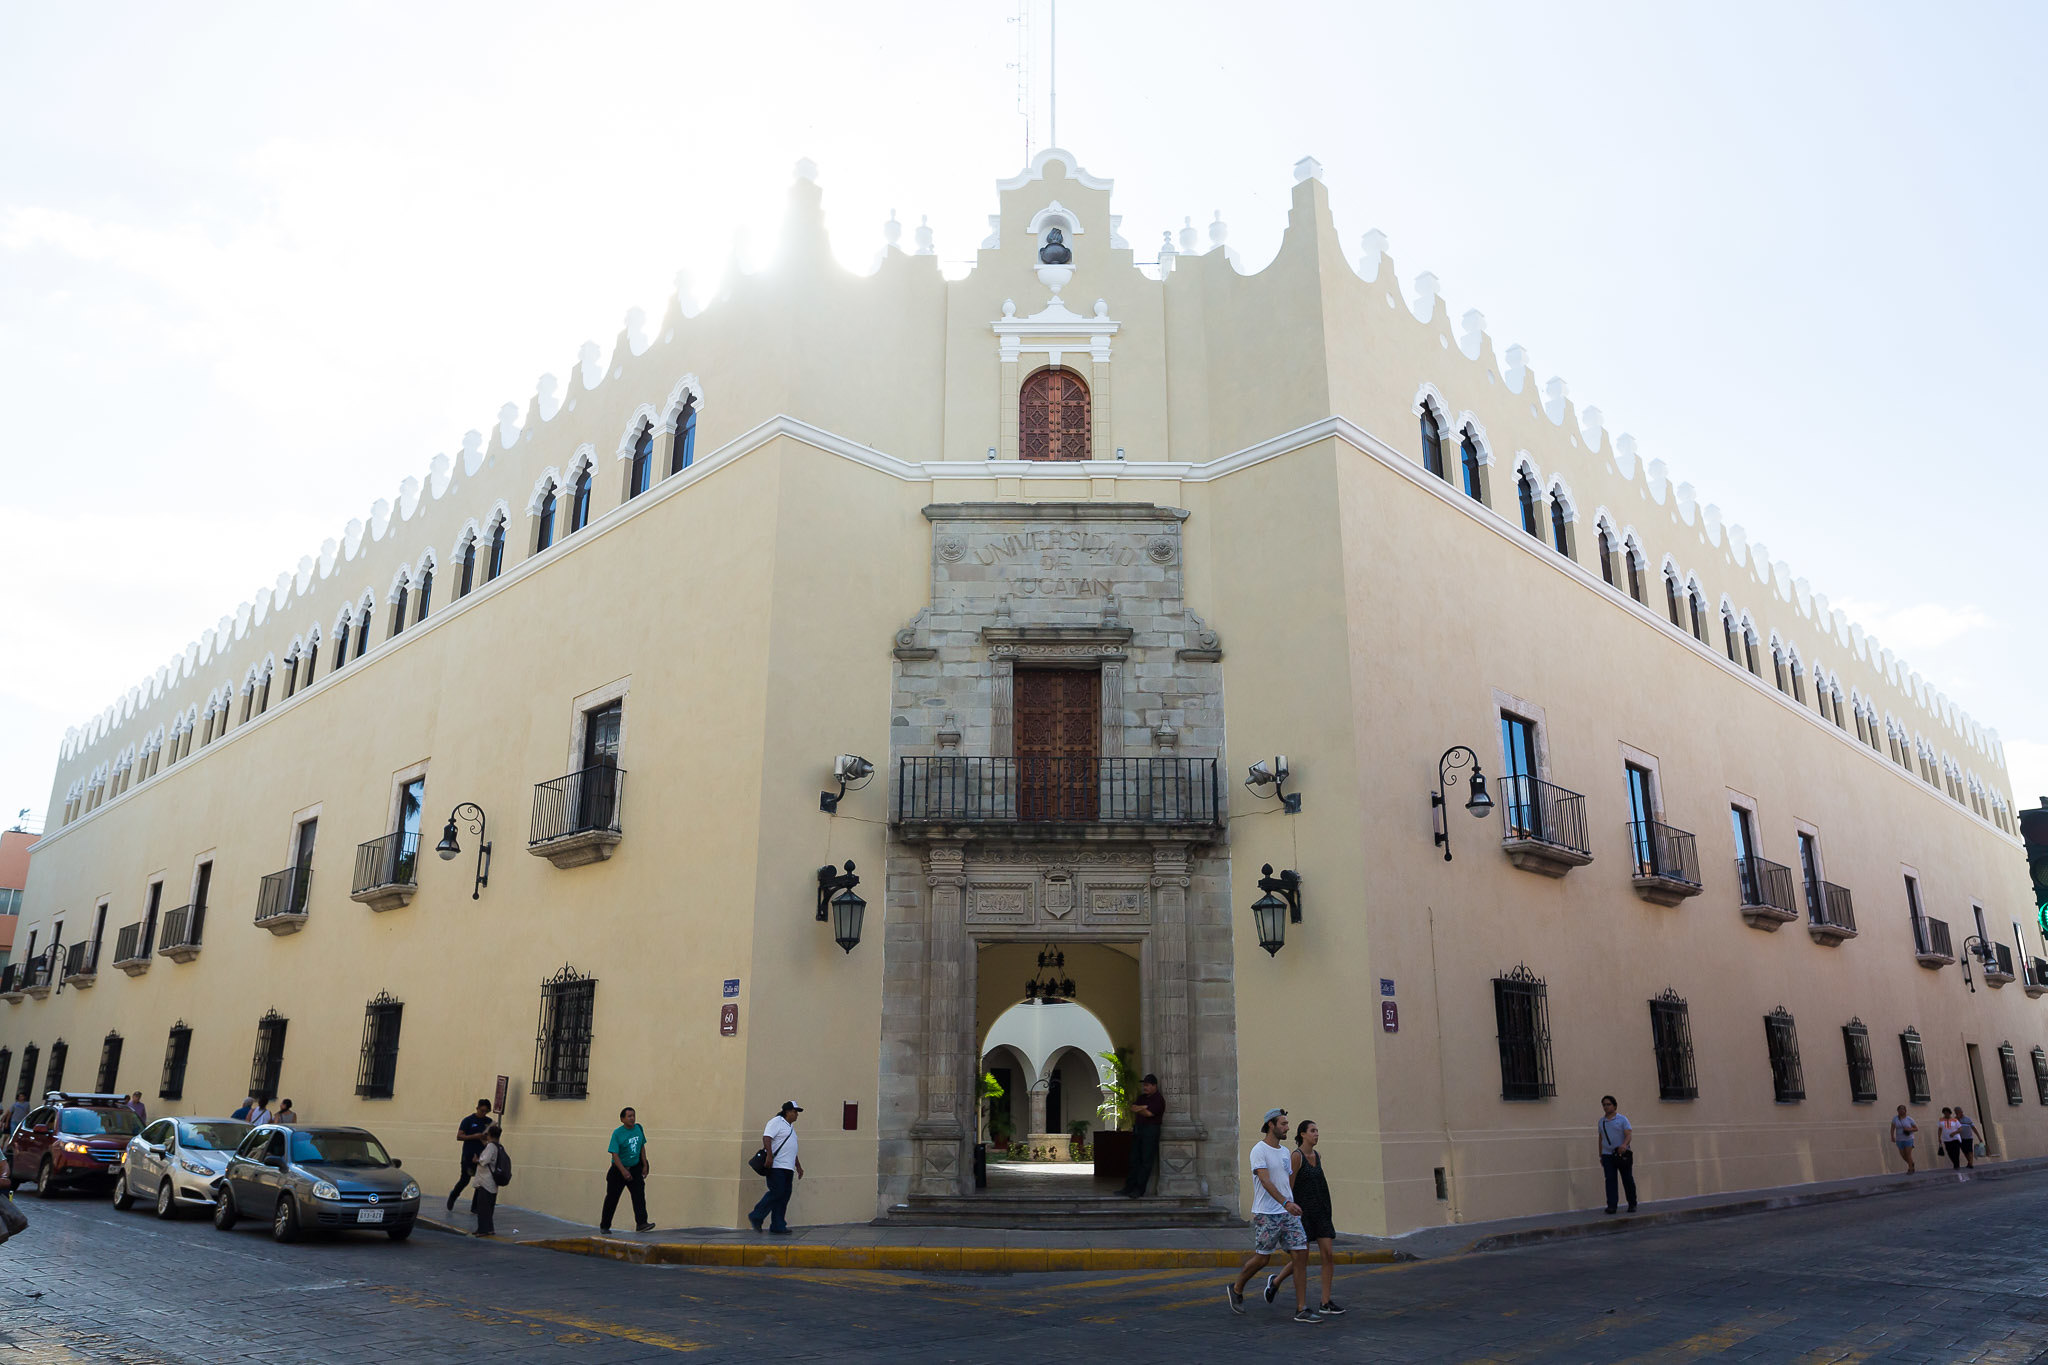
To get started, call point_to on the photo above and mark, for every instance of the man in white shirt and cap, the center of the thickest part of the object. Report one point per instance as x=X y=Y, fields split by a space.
x=778 y=1140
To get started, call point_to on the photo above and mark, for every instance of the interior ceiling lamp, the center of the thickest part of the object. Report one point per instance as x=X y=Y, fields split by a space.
x=1273 y=773
x=1478 y=803
x=1049 y=987
x=1272 y=912
x=845 y=910
x=471 y=814
x=851 y=772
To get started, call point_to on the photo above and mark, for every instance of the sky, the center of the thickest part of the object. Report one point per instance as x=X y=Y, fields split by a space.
x=261 y=263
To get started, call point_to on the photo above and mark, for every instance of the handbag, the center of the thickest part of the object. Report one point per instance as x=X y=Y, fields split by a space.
x=761 y=1162
x=12 y=1219
x=1625 y=1158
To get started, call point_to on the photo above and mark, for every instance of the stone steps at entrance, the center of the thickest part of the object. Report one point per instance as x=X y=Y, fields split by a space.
x=1056 y=1212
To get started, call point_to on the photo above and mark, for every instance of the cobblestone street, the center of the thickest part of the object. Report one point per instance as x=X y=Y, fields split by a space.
x=1946 y=1273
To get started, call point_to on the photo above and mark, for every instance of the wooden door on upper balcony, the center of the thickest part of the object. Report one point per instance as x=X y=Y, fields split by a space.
x=1058 y=738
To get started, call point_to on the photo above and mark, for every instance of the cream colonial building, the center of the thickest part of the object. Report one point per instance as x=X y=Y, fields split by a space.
x=1063 y=546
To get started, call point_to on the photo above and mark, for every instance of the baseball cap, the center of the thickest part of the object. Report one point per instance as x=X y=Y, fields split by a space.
x=792 y=1104
x=1272 y=1114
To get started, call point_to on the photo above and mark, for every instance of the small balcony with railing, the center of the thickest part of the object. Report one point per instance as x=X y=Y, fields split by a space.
x=132 y=949
x=577 y=819
x=281 y=900
x=1059 y=797
x=82 y=962
x=1830 y=913
x=1667 y=862
x=11 y=978
x=387 y=871
x=1998 y=968
x=40 y=972
x=1932 y=946
x=1765 y=889
x=1545 y=826
x=2034 y=976
x=180 y=938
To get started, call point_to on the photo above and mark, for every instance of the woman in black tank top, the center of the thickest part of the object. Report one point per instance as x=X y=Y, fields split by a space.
x=1312 y=1194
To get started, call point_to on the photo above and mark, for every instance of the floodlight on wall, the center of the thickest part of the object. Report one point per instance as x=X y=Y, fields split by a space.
x=471 y=814
x=1273 y=773
x=851 y=772
x=1271 y=913
x=1478 y=803
x=845 y=910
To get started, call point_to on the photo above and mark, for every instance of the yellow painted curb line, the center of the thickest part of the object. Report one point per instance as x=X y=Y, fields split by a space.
x=1015 y=1259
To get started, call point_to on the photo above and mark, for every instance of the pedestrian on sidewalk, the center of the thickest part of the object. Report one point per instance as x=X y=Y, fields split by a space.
x=245 y=1112
x=778 y=1139
x=1945 y=1137
x=1903 y=1129
x=18 y=1112
x=1617 y=1156
x=484 y=1203
x=1966 y=1133
x=137 y=1108
x=1318 y=1220
x=286 y=1114
x=261 y=1113
x=1276 y=1218
x=1151 y=1114
x=628 y=1171
x=470 y=1133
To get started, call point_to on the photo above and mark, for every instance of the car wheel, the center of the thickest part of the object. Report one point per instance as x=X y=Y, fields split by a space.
x=122 y=1199
x=285 y=1225
x=46 y=1180
x=225 y=1214
x=399 y=1234
x=166 y=1201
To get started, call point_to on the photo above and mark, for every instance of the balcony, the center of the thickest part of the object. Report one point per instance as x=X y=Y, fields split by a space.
x=1546 y=826
x=387 y=871
x=281 y=900
x=576 y=818
x=11 y=981
x=131 y=950
x=38 y=972
x=180 y=939
x=2036 y=981
x=1766 y=893
x=1059 y=798
x=1667 y=867
x=1998 y=965
x=1932 y=946
x=82 y=963
x=1830 y=917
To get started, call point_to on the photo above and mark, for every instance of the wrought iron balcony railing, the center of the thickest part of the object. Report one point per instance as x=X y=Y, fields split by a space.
x=181 y=932
x=11 y=979
x=1535 y=809
x=1053 y=791
x=2000 y=962
x=586 y=803
x=1663 y=851
x=1931 y=940
x=390 y=861
x=82 y=959
x=1831 y=916
x=129 y=945
x=1765 y=885
x=282 y=895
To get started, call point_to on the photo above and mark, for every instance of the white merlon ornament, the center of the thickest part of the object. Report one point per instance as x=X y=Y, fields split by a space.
x=1625 y=455
x=1518 y=367
x=590 y=364
x=1590 y=427
x=1555 y=392
x=546 y=397
x=1219 y=231
x=892 y=232
x=807 y=169
x=1308 y=168
x=1189 y=238
x=636 y=330
x=1166 y=254
x=1473 y=339
x=1425 y=296
x=924 y=235
x=1372 y=246
x=508 y=416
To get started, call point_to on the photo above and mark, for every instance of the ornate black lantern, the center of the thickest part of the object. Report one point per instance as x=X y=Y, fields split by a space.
x=1271 y=912
x=846 y=910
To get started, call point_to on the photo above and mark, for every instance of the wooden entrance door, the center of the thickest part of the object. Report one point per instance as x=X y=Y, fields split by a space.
x=1058 y=737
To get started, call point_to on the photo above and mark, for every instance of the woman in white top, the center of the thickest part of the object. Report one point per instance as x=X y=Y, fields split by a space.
x=484 y=1202
x=1947 y=1133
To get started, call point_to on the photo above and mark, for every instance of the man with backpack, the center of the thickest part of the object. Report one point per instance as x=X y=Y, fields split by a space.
x=493 y=1168
x=470 y=1134
x=781 y=1169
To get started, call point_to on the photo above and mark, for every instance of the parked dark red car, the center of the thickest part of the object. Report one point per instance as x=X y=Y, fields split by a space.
x=71 y=1141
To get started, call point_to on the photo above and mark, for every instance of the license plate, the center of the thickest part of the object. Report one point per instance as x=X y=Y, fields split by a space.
x=369 y=1215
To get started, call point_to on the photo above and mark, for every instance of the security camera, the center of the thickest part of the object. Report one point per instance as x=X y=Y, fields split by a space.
x=1273 y=773
x=846 y=769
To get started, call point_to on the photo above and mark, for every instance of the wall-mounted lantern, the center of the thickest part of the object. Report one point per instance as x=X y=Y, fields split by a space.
x=1478 y=803
x=1273 y=773
x=471 y=814
x=846 y=769
x=845 y=910
x=1271 y=913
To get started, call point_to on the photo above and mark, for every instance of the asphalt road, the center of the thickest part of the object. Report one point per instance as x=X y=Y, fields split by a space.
x=1951 y=1272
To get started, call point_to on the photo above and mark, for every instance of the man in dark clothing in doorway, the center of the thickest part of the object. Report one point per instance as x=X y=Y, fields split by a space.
x=470 y=1132
x=1151 y=1112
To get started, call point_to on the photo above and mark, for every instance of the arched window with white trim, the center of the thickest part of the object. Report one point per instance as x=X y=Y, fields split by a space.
x=496 y=565
x=1472 y=466
x=466 y=557
x=426 y=590
x=683 y=448
x=1525 y=492
x=1671 y=595
x=544 y=519
x=1432 y=439
x=1632 y=555
x=1729 y=634
x=640 y=473
x=1608 y=551
x=398 y=596
x=1561 y=521
x=1699 y=610
x=579 y=499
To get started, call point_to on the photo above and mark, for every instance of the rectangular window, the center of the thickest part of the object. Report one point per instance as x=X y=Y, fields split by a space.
x=1641 y=815
x=267 y=1066
x=302 y=864
x=110 y=1063
x=1809 y=870
x=2009 y=1063
x=404 y=854
x=2040 y=1073
x=561 y=1056
x=1518 y=783
x=1521 y=1011
x=1862 y=1070
x=7 y=1064
x=59 y=1050
x=1915 y=1057
x=1915 y=916
x=195 y=923
x=1671 y=1037
x=156 y=896
x=29 y=1056
x=177 y=1051
x=1788 y=1081
x=378 y=1072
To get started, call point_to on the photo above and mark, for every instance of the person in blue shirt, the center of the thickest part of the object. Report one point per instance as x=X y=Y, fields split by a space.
x=628 y=1171
x=470 y=1133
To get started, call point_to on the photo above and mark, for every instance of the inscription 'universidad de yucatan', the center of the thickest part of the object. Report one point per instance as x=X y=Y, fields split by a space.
x=1088 y=547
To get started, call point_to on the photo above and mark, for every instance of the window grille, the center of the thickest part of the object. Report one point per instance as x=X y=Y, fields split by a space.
x=110 y=1063
x=55 y=1080
x=1671 y=1037
x=1862 y=1069
x=377 y=1074
x=2009 y=1063
x=1788 y=1081
x=29 y=1057
x=2040 y=1073
x=7 y=1064
x=561 y=1055
x=268 y=1062
x=1521 y=1011
x=1916 y=1066
x=177 y=1051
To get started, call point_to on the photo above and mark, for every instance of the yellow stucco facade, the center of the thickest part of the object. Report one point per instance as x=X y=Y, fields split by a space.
x=1255 y=561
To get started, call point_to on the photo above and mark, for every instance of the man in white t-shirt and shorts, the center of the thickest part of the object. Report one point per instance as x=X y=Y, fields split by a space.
x=1276 y=1218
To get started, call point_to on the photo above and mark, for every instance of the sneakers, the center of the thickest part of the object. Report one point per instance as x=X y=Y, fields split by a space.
x=1272 y=1287
x=451 y=1201
x=1308 y=1315
x=604 y=1232
x=643 y=1227
x=1331 y=1309
x=1235 y=1299
x=756 y=1222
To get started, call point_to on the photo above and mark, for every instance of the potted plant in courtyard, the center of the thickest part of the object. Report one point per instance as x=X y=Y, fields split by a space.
x=995 y=1113
x=1077 y=1140
x=1114 y=1139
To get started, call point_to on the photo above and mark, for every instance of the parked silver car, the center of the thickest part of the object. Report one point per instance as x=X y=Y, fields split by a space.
x=178 y=1163
x=325 y=1179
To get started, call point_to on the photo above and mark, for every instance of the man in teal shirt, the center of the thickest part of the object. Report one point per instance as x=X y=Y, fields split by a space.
x=627 y=1171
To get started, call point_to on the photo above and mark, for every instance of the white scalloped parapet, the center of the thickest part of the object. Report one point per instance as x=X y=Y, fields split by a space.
x=1372 y=246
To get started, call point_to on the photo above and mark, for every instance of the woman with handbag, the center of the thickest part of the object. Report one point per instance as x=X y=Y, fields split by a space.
x=1617 y=1158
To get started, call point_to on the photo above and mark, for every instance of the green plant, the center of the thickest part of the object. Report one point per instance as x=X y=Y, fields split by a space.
x=1119 y=1090
x=996 y=1120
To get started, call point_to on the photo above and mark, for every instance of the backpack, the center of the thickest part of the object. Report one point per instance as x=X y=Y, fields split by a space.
x=501 y=1169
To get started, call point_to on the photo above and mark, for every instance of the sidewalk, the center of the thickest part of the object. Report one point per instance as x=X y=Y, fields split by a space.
x=863 y=1246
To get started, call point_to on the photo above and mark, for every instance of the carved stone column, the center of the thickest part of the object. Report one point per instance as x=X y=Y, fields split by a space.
x=1038 y=1096
x=1112 y=706
x=940 y=1134
x=1173 y=1050
x=1002 y=665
